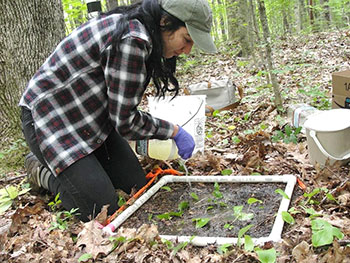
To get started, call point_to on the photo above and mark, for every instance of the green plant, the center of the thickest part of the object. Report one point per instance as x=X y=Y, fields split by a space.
x=201 y=222
x=216 y=193
x=194 y=196
x=85 y=257
x=63 y=219
x=226 y=172
x=287 y=217
x=266 y=256
x=222 y=249
x=281 y=192
x=181 y=208
x=240 y=215
x=290 y=135
x=323 y=233
x=241 y=232
x=121 y=201
x=12 y=156
x=55 y=203
x=9 y=194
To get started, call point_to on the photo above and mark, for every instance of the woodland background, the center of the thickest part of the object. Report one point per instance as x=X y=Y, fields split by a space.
x=277 y=52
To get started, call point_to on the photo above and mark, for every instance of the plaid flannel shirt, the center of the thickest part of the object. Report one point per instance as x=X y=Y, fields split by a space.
x=87 y=87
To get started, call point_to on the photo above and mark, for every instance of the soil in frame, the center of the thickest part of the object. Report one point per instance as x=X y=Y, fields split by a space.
x=220 y=211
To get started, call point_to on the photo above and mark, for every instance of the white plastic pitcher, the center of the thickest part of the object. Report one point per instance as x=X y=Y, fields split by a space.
x=328 y=136
x=186 y=111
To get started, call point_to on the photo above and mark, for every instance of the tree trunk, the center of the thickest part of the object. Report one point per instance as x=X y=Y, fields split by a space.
x=266 y=34
x=326 y=13
x=29 y=32
x=231 y=18
x=221 y=7
x=242 y=24
x=300 y=15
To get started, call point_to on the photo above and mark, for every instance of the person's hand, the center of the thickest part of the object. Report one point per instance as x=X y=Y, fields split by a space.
x=184 y=142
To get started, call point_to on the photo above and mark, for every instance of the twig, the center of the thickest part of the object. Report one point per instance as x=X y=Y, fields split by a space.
x=12 y=178
x=334 y=190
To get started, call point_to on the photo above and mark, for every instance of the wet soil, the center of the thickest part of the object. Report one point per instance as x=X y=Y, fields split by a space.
x=223 y=221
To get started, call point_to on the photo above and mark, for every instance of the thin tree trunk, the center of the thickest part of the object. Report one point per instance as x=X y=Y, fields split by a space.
x=266 y=34
x=222 y=20
x=326 y=13
x=29 y=32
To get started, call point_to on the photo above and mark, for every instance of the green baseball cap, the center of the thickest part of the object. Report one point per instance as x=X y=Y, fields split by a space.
x=197 y=16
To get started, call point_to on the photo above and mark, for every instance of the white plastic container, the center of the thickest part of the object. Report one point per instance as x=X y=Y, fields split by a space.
x=186 y=111
x=328 y=136
x=156 y=149
x=299 y=113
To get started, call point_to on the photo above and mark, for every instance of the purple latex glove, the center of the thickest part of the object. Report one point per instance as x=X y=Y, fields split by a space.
x=184 y=143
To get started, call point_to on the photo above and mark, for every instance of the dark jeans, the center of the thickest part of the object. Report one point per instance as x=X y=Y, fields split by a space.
x=90 y=182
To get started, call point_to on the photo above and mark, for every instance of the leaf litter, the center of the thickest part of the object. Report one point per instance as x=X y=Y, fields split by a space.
x=241 y=142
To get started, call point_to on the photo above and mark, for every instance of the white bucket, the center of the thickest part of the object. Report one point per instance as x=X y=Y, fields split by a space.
x=328 y=136
x=186 y=111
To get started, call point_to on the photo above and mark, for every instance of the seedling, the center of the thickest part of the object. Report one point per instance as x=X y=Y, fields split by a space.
x=85 y=257
x=253 y=200
x=194 y=196
x=62 y=219
x=281 y=192
x=9 y=194
x=242 y=232
x=54 y=205
x=166 y=188
x=226 y=172
x=223 y=248
x=181 y=208
x=290 y=135
x=323 y=233
x=121 y=201
x=201 y=222
x=287 y=218
x=266 y=256
x=216 y=193
x=240 y=215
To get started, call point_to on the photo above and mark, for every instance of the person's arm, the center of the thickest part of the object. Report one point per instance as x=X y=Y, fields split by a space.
x=125 y=74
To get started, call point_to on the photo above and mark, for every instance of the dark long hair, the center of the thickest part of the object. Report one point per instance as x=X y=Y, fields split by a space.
x=149 y=13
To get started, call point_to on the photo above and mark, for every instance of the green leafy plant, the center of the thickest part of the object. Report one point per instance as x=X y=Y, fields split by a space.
x=222 y=249
x=281 y=192
x=240 y=215
x=226 y=172
x=253 y=200
x=54 y=205
x=201 y=222
x=9 y=194
x=181 y=208
x=287 y=217
x=63 y=219
x=290 y=135
x=166 y=188
x=121 y=201
x=216 y=193
x=241 y=232
x=323 y=233
x=12 y=156
x=85 y=257
x=194 y=196
x=266 y=256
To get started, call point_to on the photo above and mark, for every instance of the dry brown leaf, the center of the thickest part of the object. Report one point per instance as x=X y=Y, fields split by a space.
x=92 y=239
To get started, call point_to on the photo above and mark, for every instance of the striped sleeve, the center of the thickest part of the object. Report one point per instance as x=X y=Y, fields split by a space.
x=125 y=74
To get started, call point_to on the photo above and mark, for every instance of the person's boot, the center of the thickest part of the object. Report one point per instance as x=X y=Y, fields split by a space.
x=37 y=174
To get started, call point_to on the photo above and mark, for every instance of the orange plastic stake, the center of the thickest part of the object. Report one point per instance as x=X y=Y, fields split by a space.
x=152 y=177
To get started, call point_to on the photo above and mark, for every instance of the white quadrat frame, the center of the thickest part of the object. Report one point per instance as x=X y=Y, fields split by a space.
x=274 y=236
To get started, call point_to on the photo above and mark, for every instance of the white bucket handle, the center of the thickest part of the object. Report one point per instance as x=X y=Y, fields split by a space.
x=323 y=150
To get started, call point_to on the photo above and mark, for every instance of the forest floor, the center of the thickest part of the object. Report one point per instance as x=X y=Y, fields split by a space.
x=242 y=141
